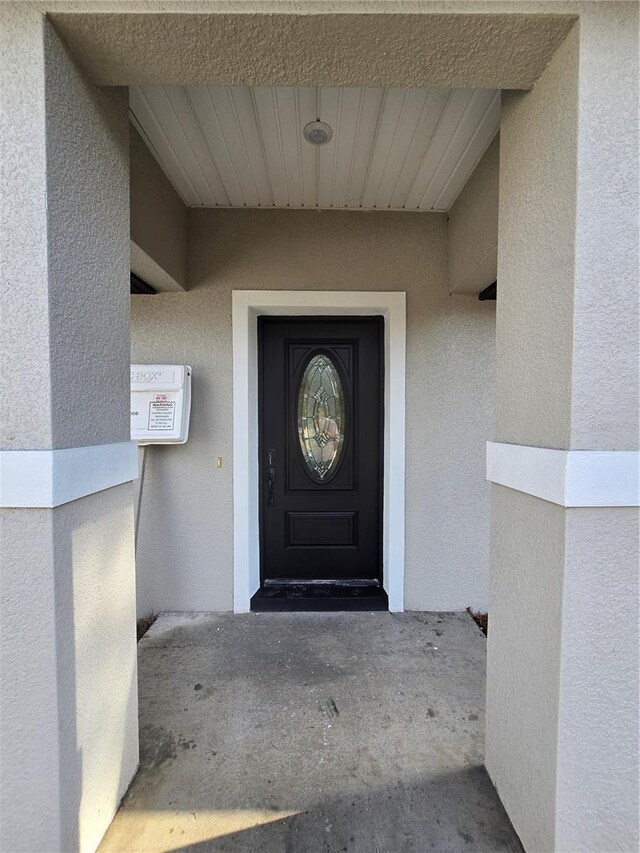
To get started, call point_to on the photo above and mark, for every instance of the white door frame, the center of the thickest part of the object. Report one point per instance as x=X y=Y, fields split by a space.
x=247 y=305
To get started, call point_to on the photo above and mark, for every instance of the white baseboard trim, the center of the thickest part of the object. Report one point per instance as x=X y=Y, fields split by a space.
x=571 y=478
x=49 y=478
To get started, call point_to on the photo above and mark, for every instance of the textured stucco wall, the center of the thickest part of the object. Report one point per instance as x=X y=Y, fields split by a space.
x=538 y=141
x=571 y=146
x=87 y=141
x=472 y=229
x=67 y=608
x=65 y=264
x=330 y=47
x=158 y=216
x=562 y=734
x=523 y=672
x=562 y=676
x=185 y=543
x=23 y=241
x=603 y=545
x=605 y=410
x=536 y=256
x=597 y=789
x=69 y=693
x=98 y=699
x=29 y=753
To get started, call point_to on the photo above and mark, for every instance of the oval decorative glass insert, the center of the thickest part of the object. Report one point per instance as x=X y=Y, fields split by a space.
x=320 y=416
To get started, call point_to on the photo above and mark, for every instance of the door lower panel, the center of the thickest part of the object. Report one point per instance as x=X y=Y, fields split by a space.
x=322 y=529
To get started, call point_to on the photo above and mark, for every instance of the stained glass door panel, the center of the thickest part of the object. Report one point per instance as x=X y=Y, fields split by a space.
x=321 y=418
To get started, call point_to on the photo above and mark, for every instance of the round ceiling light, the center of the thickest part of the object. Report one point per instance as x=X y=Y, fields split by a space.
x=317 y=132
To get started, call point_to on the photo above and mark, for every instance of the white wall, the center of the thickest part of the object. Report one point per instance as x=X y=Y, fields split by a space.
x=185 y=542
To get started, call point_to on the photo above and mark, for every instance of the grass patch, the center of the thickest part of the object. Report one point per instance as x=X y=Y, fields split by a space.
x=481 y=619
x=143 y=624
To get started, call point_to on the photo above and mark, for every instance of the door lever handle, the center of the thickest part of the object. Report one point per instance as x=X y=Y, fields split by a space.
x=271 y=479
x=271 y=476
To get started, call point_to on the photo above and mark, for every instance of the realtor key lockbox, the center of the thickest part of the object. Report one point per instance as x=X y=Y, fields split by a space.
x=160 y=403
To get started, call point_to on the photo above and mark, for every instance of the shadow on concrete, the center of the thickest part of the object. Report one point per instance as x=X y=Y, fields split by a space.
x=451 y=813
x=356 y=732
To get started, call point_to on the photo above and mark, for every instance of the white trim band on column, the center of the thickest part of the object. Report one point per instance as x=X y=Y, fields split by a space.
x=570 y=478
x=48 y=478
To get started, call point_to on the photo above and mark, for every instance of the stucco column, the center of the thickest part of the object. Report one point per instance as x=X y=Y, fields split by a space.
x=69 y=697
x=562 y=684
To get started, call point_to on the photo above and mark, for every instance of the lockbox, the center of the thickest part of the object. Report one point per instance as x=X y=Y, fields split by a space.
x=160 y=403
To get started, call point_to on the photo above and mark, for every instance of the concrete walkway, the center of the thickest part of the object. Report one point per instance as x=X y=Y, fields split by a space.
x=312 y=732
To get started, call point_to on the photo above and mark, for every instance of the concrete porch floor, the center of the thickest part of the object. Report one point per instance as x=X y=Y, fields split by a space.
x=312 y=732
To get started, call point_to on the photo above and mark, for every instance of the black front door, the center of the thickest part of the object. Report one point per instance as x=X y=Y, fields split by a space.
x=320 y=454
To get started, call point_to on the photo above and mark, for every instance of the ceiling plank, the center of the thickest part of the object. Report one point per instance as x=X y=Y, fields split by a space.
x=457 y=146
x=202 y=100
x=384 y=144
x=372 y=109
x=346 y=134
x=485 y=130
x=271 y=131
x=247 y=132
x=330 y=107
x=434 y=105
x=153 y=133
x=452 y=113
x=209 y=179
x=242 y=146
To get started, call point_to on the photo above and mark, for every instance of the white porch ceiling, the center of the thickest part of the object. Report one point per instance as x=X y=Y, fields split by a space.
x=242 y=146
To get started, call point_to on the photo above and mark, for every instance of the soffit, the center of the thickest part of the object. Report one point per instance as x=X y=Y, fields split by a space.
x=242 y=146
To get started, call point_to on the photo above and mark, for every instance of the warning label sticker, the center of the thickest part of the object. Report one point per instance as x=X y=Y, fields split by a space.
x=162 y=415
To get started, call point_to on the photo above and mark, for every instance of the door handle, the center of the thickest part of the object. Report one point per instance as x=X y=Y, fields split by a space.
x=271 y=476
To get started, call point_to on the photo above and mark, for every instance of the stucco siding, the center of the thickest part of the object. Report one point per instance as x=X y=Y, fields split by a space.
x=330 y=47
x=473 y=227
x=605 y=411
x=566 y=364
x=69 y=691
x=87 y=142
x=95 y=591
x=536 y=256
x=23 y=240
x=69 y=728
x=158 y=216
x=599 y=696
x=523 y=672
x=29 y=751
x=185 y=541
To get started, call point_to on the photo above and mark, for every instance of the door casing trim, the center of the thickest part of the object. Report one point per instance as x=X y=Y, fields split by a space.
x=247 y=305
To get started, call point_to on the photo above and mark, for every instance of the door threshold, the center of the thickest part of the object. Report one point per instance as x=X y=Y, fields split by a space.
x=291 y=597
